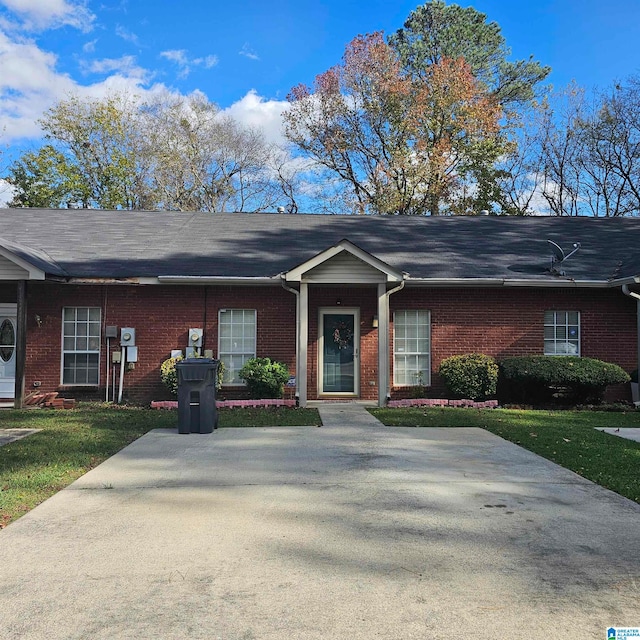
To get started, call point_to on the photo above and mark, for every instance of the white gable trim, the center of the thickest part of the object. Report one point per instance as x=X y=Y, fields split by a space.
x=33 y=272
x=297 y=273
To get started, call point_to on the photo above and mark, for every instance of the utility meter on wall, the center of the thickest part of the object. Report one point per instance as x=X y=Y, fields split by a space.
x=195 y=338
x=127 y=337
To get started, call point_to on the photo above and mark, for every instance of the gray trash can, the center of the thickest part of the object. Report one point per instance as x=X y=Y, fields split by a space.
x=197 y=411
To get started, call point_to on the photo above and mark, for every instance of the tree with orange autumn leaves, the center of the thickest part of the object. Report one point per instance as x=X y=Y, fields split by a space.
x=420 y=123
x=404 y=144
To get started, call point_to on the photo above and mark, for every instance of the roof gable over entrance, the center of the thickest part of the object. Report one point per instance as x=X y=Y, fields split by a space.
x=17 y=263
x=344 y=263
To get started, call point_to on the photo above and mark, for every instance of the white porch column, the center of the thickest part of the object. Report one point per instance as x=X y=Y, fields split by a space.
x=383 y=344
x=21 y=343
x=303 y=340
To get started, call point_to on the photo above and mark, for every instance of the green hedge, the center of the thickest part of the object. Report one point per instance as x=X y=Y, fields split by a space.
x=473 y=375
x=541 y=379
x=265 y=378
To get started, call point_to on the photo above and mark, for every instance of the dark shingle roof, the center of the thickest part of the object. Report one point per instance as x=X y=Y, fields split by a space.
x=90 y=243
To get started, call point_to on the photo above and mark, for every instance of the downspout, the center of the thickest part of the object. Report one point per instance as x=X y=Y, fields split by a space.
x=389 y=293
x=297 y=295
x=632 y=294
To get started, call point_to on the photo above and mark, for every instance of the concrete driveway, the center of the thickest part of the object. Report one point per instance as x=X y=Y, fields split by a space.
x=346 y=532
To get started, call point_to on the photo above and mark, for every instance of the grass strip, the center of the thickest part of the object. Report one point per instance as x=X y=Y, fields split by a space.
x=74 y=441
x=568 y=438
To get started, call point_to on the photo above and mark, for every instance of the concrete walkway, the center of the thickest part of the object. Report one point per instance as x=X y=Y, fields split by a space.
x=340 y=532
x=629 y=434
x=11 y=435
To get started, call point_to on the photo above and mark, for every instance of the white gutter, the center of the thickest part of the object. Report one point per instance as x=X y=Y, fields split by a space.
x=504 y=282
x=245 y=280
x=297 y=295
x=633 y=294
x=384 y=366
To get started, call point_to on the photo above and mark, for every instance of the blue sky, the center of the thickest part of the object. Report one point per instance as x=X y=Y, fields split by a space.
x=247 y=56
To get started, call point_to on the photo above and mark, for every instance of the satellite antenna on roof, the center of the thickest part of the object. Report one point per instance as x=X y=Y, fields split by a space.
x=559 y=256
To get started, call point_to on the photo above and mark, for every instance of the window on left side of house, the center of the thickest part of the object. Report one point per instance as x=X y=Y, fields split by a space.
x=81 y=345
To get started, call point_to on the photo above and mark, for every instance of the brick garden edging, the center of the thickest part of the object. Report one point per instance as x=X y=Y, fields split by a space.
x=440 y=402
x=410 y=402
x=230 y=404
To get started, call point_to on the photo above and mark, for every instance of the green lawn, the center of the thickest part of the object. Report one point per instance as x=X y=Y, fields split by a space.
x=73 y=442
x=569 y=438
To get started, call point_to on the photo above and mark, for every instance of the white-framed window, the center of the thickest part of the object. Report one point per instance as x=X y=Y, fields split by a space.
x=236 y=341
x=561 y=333
x=411 y=347
x=81 y=345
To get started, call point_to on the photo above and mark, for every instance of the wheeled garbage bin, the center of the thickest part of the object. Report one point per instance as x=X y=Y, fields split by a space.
x=197 y=411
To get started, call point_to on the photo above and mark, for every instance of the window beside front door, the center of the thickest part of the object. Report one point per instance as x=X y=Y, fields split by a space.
x=411 y=347
x=81 y=345
x=236 y=341
x=562 y=333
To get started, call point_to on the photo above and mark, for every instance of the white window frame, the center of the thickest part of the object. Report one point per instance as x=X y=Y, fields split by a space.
x=85 y=351
x=244 y=354
x=397 y=353
x=560 y=323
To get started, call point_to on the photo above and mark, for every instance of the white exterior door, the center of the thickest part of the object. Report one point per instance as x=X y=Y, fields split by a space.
x=8 y=314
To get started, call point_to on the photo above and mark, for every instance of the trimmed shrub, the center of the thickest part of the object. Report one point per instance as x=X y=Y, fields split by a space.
x=169 y=375
x=473 y=375
x=265 y=378
x=540 y=379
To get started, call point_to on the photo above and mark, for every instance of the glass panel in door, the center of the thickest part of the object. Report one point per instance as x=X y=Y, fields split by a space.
x=7 y=347
x=338 y=353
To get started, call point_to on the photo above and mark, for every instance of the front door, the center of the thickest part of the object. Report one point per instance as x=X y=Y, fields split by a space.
x=338 y=361
x=7 y=351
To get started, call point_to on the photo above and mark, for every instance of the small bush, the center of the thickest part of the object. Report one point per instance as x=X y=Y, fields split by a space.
x=265 y=378
x=540 y=379
x=473 y=375
x=169 y=375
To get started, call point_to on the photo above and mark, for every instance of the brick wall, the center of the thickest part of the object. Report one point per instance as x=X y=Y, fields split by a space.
x=162 y=317
x=509 y=322
x=499 y=322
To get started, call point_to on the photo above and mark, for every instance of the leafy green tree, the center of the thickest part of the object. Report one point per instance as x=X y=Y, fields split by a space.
x=103 y=140
x=45 y=178
x=176 y=153
x=435 y=31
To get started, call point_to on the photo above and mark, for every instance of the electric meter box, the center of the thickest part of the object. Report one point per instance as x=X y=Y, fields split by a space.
x=195 y=338
x=127 y=337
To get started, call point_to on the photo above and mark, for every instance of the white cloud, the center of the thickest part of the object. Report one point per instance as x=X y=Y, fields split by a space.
x=248 y=52
x=126 y=66
x=180 y=58
x=6 y=193
x=207 y=62
x=256 y=111
x=129 y=36
x=30 y=84
x=89 y=47
x=38 y=15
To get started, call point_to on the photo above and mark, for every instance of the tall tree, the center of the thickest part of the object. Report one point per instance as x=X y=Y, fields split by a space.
x=402 y=143
x=177 y=153
x=435 y=31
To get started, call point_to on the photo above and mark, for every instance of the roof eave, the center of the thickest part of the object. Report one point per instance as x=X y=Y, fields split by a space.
x=220 y=280
x=506 y=282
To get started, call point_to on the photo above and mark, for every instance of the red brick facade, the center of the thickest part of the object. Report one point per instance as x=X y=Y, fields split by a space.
x=499 y=322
